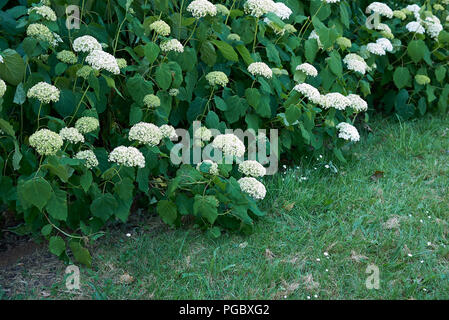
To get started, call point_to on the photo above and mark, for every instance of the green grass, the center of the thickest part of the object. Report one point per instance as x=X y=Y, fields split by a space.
x=354 y=217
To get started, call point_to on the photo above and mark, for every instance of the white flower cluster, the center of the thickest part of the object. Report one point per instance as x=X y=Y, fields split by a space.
x=45 y=12
x=355 y=63
x=257 y=8
x=173 y=92
x=161 y=27
x=86 y=44
x=168 y=132
x=217 y=77
x=331 y=1
x=310 y=92
x=85 y=71
x=375 y=48
x=87 y=124
x=260 y=69
x=229 y=144
x=201 y=8
x=121 y=63
x=71 y=134
x=357 y=103
x=253 y=187
x=46 y=142
x=2 y=88
x=44 y=92
x=308 y=69
x=348 y=132
x=213 y=169
x=100 y=59
x=433 y=26
x=172 y=45
x=416 y=27
x=146 y=133
x=380 y=8
x=40 y=32
x=334 y=100
x=314 y=35
x=281 y=10
x=414 y=8
x=127 y=156
x=67 y=56
x=252 y=168
x=385 y=44
x=151 y=101
x=202 y=134
x=89 y=156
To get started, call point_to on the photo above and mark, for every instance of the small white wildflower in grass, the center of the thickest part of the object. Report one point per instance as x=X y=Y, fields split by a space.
x=160 y=27
x=172 y=45
x=260 y=69
x=2 y=88
x=44 y=11
x=44 y=92
x=429 y=243
x=326 y=166
x=318 y=259
x=168 y=132
x=308 y=69
x=316 y=296
x=217 y=78
x=86 y=44
x=252 y=187
x=310 y=92
x=213 y=167
x=71 y=134
x=357 y=103
x=229 y=144
x=67 y=57
x=252 y=168
x=127 y=156
x=416 y=27
x=410 y=255
x=46 y=142
x=422 y=261
x=87 y=124
x=347 y=132
x=1 y=59
x=375 y=48
x=89 y=156
x=281 y=10
x=201 y=8
x=151 y=101
x=326 y=253
x=308 y=297
x=420 y=220
x=145 y=133
x=100 y=59
x=334 y=100
x=40 y=32
x=380 y=8
x=128 y=235
x=257 y=8
x=385 y=43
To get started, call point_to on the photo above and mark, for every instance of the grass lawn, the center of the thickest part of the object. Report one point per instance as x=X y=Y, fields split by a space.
x=387 y=206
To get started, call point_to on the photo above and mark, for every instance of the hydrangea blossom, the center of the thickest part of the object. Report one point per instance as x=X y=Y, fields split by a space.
x=422 y=79
x=348 y=132
x=252 y=187
x=201 y=8
x=46 y=142
x=203 y=134
x=172 y=45
x=375 y=48
x=221 y=9
x=355 y=63
x=308 y=69
x=40 y=32
x=85 y=71
x=44 y=11
x=2 y=88
x=344 y=42
x=86 y=44
x=416 y=27
x=252 y=168
x=260 y=69
x=314 y=35
x=127 y=156
x=385 y=44
x=100 y=59
x=72 y=135
x=217 y=78
x=433 y=26
x=89 y=156
x=151 y=101
x=121 y=63
x=229 y=144
x=87 y=124
x=173 y=92
x=213 y=169
x=233 y=37
x=281 y=10
x=334 y=100
x=257 y=8
x=67 y=57
x=160 y=27
x=380 y=8
x=146 y=133
x=168 y=132
x=44 y=92
x=310 y=92
x=357 y=103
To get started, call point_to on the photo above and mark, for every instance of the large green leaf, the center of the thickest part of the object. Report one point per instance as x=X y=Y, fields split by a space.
x=57 y=205
x=37 y=192
x=104 y=206
x=12 y=68
x=226 y=50
x=206 y=207
x=417 y=49
x=401 y=77
x=167 y=210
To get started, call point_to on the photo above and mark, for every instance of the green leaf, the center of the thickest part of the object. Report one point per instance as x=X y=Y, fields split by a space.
x=7 y=128
x=417 y=49
x=57 y=205
x=81 y=254
x=104 y=206
x=335 y=64
x=46 y=230
x=167 y=210
x=208 y=54
x=206 y=207
x=20 y=95
x=311 y=49
x=226 y=50
x=56 y=245
x=86 y=180
x=37 y=192
x=401 y=77
x=163 y=76
x=245 y=54
x=12 y=68
x=440 y=73
x=151 y=51
x=253 y=97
